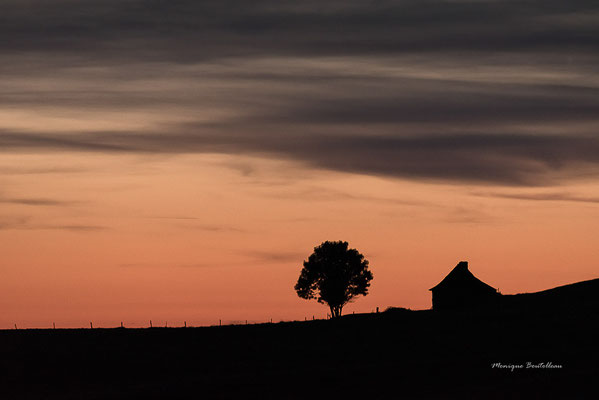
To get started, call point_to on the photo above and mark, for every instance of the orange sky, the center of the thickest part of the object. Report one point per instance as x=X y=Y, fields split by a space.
x=199 y=238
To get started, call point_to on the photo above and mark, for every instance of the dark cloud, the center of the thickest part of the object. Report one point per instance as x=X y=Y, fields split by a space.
x=490 y=92
x=298 y=98
x=188 y=30
x=439 y=102
x=510 y=159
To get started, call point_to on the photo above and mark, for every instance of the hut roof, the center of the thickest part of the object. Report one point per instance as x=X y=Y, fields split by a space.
x=460 y=277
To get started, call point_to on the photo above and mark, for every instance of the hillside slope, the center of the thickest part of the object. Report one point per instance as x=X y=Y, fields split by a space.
x=576 y=297
x=396 y=354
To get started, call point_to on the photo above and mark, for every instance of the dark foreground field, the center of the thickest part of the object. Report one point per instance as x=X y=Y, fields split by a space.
x=396 y=354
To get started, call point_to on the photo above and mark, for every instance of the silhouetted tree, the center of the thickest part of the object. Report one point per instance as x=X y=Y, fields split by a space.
x=334 y=275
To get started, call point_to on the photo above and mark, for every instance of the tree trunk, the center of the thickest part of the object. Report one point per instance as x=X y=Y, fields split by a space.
x=336 y=311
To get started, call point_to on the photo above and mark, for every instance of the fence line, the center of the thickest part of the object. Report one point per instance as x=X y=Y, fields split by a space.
x=185 y=325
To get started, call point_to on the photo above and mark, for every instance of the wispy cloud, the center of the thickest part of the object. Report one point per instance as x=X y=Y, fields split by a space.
x=214 y=228
x=189 y=222
x=194 y=223
x=73 y=228
x=184 y=218
x=328 y=194
x=28 y=223
x=144 y=265
x=464 y=215
x=274 y=256
x=39 y=170
x=545 y=196
x=34 y=201
x=13 y=222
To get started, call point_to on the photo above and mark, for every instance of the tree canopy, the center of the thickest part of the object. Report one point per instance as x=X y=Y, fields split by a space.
x=334 y=275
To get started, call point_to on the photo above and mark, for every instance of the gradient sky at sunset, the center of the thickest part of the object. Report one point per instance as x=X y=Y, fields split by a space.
x=178 y=160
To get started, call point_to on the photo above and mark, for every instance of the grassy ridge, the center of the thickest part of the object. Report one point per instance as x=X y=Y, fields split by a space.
x=413 y=354
x=395 y=354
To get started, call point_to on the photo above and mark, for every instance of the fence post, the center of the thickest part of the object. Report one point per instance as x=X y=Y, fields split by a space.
x=16 y=326
x=150 y=323
x=220 y=323
x=185 y=324
x=53 y=325
x=91 y=326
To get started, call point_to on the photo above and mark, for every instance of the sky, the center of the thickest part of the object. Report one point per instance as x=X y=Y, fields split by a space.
x=176 y=161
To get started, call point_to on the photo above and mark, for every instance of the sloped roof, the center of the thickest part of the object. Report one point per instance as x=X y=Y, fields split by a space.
x=460 y=276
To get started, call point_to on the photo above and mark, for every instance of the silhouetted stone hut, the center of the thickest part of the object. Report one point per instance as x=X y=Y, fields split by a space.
x=460 y=289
